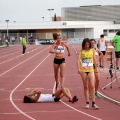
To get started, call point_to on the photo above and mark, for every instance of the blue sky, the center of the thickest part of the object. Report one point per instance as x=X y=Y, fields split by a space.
x=34 y=10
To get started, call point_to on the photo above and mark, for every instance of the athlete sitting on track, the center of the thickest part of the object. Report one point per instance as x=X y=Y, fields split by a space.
x=37 y=96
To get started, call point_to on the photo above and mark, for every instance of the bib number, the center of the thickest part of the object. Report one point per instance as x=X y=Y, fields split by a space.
x=87 y=63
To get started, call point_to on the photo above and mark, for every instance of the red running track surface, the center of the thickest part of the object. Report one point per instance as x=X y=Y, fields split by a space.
x=19 y=74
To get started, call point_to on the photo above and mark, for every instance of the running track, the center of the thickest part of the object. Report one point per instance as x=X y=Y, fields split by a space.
x=19 y=74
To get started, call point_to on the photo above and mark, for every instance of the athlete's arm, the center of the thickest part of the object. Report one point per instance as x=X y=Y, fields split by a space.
x=106 y=45
x=52 y=48
x=79 y=63
x=94 y=62
x=98 y=44
x=67 y=49
x=100 y=53
x=34 y=95
x=113 y=44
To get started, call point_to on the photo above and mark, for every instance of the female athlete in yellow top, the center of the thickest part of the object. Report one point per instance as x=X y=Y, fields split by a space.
x=86 y=59
x=59 y=61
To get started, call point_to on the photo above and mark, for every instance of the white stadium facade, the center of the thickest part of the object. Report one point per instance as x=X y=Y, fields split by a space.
x=76 y=23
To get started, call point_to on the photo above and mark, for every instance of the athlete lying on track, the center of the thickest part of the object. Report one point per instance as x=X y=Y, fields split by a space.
x=37 y=96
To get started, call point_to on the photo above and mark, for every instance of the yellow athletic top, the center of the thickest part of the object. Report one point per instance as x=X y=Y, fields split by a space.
x=86 y=58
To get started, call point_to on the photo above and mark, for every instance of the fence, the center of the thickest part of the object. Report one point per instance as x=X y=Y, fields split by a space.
x=32 y=38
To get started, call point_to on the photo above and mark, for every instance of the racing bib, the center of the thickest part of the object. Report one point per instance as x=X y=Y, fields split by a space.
x=60 y=49
x=87 y=63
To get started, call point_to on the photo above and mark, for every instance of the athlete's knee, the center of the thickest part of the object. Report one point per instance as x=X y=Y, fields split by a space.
x=62 y=89
x=61 y=75
x=56 y=75
x=92 y=87
x=85 y=87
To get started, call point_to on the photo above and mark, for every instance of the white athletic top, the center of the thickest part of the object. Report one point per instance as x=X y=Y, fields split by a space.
x=96 y=54
x=60 y=49
x=95 y=51
x=102 y=44
x=46 y=98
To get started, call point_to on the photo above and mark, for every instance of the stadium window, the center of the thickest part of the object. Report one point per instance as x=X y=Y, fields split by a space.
x=111 y=31
x=105 y=32
x=116 y=31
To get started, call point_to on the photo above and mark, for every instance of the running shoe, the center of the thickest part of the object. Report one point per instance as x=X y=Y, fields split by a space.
x=75 y=99
x=90 y=96
x=97 y=94
x=117 y=69
x=87 y=106
x=95 y=106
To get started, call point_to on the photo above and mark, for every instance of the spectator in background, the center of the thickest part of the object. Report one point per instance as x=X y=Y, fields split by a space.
x=0 y=40
x=13 y=40
x=7 y=41
x=20 y=39
x=116 y=45
x=102 y=46
x=24 y=44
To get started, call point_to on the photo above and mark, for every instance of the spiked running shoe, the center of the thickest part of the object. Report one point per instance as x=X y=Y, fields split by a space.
x=97 y=94
x=75 y=99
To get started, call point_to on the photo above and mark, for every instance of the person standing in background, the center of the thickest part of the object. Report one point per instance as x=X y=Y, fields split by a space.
x=24 y=44
x=20 y=40
x=102 y=46
x=116 y=45
x=7 y=41
x=98 y=55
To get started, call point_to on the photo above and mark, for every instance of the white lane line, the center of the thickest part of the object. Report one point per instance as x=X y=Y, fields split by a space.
x=75 y=50
x=12 y=53
x=23 y=62
x=75 y=108
x=15 y=57
x=11 y=100
x=40 y=112
x=110 y=99
x=80 y=111
x=8 y=50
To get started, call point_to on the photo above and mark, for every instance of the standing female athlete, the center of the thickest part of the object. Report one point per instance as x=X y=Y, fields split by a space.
x=59 y=61
x=97 y=75
x=86 y=59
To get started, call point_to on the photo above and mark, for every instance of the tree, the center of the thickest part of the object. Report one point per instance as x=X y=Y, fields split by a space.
x=55 y=19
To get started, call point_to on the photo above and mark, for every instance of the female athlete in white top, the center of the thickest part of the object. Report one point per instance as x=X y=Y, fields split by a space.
x=97 y=74
x=37 y=96
x=58 y=48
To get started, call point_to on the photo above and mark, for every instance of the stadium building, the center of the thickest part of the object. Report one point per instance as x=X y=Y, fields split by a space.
x=76 y=23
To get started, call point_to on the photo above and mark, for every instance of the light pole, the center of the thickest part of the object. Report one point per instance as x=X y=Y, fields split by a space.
x=7 y=26
x=50 y=13
x=43 y=19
